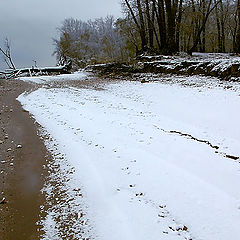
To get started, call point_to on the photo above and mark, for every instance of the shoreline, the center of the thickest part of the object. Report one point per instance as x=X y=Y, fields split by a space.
x=23 y=155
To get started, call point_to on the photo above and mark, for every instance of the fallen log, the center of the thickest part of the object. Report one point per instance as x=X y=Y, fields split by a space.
x=37 y=71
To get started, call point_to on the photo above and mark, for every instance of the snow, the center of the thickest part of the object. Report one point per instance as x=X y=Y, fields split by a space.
x=213 y=62
x=62 y=77
x=140 y=180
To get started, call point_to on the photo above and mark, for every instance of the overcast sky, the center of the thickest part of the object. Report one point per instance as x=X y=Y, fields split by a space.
x=30 y=25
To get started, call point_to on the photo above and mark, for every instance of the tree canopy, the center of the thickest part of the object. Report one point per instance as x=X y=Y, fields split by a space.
x=152 y=26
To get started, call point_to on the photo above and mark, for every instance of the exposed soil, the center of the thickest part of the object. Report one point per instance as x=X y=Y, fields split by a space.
x=23 y=161
x=224 y=67
x=22 y=156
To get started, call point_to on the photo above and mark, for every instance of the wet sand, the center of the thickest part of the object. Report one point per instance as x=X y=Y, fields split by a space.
x=24 y=161
x=22 y=156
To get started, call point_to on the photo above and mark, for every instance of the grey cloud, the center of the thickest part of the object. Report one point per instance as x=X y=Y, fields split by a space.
x=31 y=24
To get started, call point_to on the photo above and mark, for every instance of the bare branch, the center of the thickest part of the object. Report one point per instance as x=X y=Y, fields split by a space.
x=7 y=55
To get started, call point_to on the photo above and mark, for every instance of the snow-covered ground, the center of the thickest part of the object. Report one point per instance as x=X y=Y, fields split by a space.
x=141 y=161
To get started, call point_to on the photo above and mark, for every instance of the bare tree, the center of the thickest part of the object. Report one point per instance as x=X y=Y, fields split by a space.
x=99 y=40
x=237 y=47
x=153 y=26
x=7 y=55
x=206 y=14
x=139 y=21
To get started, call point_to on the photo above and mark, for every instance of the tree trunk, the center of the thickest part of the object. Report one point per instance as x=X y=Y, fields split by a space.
x=222 y=27
x=149 y=23
x=142 y=25
x=160 y=14
x=154 y=11
x=204 y=28
x=218 y=29
x=194 y=22
x=171 y=26
x=238 y=29
x=179 y=20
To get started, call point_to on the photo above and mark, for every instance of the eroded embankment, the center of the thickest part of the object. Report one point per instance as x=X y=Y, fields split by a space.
x=223 y=66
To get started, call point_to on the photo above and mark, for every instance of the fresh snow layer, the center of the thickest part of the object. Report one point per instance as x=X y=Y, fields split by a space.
x=61 y=77
x=142 y=181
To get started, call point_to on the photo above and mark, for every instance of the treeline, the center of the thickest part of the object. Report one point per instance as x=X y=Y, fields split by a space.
x=153 y=27
x=170 y=26
x=95 y=41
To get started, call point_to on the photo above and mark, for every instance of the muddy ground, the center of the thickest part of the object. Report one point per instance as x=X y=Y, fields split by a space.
x=23 y=161
x=22 y=156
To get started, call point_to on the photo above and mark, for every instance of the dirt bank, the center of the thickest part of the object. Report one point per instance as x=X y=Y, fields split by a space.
x=22 y=156
x=222 y=66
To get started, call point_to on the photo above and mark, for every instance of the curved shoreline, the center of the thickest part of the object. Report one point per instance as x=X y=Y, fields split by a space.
x=23 y=155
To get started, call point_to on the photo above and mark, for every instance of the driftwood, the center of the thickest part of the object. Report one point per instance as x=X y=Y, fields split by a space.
x=14 y=73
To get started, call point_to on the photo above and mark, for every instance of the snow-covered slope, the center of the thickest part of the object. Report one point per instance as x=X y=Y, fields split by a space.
x=155 y=161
